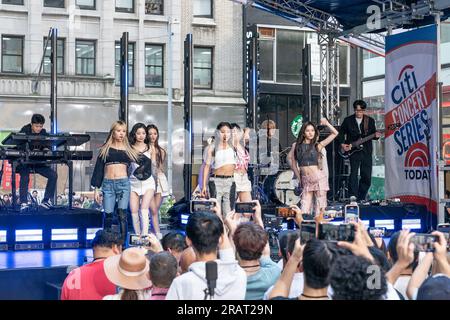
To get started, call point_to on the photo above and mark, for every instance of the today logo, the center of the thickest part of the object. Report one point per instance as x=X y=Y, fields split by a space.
x=417 y=159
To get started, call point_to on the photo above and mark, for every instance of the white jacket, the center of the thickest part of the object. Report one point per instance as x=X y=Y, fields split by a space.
x=231 y=280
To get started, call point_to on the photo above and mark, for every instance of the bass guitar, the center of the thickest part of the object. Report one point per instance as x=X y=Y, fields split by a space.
x=357 y=146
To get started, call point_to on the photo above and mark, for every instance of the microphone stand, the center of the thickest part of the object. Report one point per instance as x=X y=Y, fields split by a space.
x=430 y=191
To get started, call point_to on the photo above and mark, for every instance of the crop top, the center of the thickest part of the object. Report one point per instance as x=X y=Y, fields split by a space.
x=307 y=155
x=224 y=157
x=114 y=156
x=242 y=159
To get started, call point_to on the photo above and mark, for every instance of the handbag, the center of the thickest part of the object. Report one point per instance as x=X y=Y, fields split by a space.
x=144 y=171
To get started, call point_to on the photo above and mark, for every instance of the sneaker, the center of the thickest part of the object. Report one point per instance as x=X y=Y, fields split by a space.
x=24 y=207
x=46 y=204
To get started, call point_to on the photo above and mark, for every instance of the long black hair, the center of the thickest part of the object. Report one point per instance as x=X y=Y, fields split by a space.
x=132 y=135
x=301 y=138
x=161 y=156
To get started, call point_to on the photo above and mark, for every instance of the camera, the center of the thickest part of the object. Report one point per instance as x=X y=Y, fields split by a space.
x=285 y=212
x=341 y=232
x=135 y=240
x=351 y=213
x=244 y=207
x=377 y=232
x=307 y=232
x=202 y=205
x=424 y=242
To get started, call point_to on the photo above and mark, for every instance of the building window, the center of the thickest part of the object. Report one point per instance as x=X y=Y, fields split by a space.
x=266 y=53
x=85 y=57
x=16 y=2
x=154 y=66
x=154 y=7
x=86 y=4
x=130 y=64
x=55 y=3
x=125 y=6
x=59 y=56
x=343 y=64
x=12 y=54
x=289 y=56
x=203 y=8
x=203 y=68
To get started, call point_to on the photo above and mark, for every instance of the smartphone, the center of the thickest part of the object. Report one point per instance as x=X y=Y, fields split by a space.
x=135 y=240
x=202 y=205
x=307 y=232
x=377 y=232
x=244 y=207
x=341 y=232
x=351 y=213
x=285 y=212
x=424 y=242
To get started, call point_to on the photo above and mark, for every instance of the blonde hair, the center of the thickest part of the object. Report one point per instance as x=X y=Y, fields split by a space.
x=130 y=151
x=268 y=123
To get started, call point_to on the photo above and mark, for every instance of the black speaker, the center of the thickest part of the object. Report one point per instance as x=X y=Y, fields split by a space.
x=335 y=163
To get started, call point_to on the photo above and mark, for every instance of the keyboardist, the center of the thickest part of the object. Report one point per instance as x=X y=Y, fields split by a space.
x=36 y=127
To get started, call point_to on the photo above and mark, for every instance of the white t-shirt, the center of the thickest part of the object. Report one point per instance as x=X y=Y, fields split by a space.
x=296 y=286
x=359 y=120
x=402 y=284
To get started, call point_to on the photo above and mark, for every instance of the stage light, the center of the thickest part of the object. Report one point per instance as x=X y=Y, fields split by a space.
x=3 y=240
x=65 y=234
x=366 y=223
x=387 y=223
x=90 y=233
x=184 y=218
x=411 y=224
x=31 y=235
x=30 y=239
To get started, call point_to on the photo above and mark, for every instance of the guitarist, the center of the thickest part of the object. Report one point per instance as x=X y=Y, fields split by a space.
x=354 y=127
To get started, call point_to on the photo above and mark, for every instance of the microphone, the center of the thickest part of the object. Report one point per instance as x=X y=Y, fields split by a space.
x=211 y=277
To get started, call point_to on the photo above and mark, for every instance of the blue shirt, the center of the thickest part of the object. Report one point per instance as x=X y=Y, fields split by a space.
x=258 y=283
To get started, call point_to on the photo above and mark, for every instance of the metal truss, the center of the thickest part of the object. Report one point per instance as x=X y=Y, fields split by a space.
x=329 y=78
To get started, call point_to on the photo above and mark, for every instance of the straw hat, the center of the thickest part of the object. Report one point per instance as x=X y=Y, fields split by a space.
x=130 y=270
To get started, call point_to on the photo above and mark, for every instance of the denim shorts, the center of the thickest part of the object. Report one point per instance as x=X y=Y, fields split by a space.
x=115 y=190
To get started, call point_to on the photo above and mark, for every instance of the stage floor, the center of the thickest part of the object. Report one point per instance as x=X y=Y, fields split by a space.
x=43 y=258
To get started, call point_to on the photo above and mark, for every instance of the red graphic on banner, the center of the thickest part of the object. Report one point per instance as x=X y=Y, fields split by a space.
x=7 y=181
x=417 y=156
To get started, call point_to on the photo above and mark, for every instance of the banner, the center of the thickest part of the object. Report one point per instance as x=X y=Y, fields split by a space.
x=411 y=119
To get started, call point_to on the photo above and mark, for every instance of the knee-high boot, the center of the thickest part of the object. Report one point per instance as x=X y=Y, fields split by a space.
x=123 y=223
x=107 y=221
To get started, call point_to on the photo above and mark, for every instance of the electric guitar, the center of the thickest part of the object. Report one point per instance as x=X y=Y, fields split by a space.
x=357 y=146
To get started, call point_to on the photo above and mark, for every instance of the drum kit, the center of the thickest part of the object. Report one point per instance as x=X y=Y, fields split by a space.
x=279 y=188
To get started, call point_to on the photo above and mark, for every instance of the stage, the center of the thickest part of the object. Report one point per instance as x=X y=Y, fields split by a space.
x=59 y=227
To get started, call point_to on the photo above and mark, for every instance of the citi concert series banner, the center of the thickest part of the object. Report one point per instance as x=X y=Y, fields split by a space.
x=411 y=121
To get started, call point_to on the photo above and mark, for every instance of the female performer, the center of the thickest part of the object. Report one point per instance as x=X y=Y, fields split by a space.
x=221 y=185
x=162 y=186
x=142 y=182
x=111 y=173
x=306 y=161
x=243 y=184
